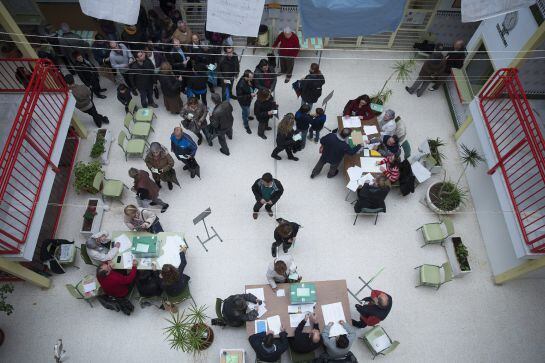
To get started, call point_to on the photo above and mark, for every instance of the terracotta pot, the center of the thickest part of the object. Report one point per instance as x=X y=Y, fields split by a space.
x=207 y=342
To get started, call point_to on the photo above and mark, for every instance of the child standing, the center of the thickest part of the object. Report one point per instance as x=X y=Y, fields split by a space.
x=317 y=124
x=124 y=96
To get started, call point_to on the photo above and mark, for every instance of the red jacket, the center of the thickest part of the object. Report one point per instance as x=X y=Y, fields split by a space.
x=365 y=310
x=353 y=106
x=391 y=172
x=117 y=284
x=292 y=42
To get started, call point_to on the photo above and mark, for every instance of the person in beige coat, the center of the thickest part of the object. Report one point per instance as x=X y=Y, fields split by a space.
x=161 y=165
x=141 y=220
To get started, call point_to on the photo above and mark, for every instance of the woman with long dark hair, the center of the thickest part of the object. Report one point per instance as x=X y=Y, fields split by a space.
x=284 y=138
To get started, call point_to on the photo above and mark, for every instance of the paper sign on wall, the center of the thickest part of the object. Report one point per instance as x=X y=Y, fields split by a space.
x=121 y=11
x=235 y=17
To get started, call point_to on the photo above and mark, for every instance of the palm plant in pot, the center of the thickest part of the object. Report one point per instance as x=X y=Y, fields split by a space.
x=401 y=70
x=188 y=331
x=447 y=197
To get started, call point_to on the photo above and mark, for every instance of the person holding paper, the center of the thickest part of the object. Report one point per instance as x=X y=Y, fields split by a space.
x=235 y=309
x=194 y=117
x=184 y=148
x=316 y=125
x=245 y=94
x=267 y=191
x=97 y=247
x=268 y=348
x=280 y=270
x=161 y=165
x=376 y=310
x=303 y=119
x=177 y=58
x=387 y=123
x=284 y=138
x=361 y=107
x=333 y=149
x=145 y=188
x=264 y=109
x=228 y=70
x=339 y=346
x=141 y=220
x=306 y=342
x=173 y=280
x=115 y=283
x=372 y=195
x=284 y=234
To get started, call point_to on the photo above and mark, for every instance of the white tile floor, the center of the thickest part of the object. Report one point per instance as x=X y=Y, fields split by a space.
x=469 y=319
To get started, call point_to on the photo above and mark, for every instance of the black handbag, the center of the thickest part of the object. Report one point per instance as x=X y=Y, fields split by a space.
x=155 y=227
x=156 y=92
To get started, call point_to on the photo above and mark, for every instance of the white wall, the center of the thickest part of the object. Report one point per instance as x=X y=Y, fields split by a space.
x=500 y=55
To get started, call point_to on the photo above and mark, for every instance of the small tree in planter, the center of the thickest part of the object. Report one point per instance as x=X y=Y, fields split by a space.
x=98 y=147
x=461 y=254
x=447 y=197
x=5 y=290
x=85 y=175
x=188 y=331
x=402 y=70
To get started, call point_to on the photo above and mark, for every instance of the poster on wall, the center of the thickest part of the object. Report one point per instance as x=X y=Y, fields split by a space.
x=476 y=10
x=235 y=17
x=120 y=11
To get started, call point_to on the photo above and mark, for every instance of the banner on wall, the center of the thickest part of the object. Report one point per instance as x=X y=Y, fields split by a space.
x=235 y=17
x=349 y=18
x=120 y=11
x=476 y=10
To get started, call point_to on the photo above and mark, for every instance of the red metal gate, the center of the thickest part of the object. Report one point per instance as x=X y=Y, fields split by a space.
x=26 y=156
x=520 y=149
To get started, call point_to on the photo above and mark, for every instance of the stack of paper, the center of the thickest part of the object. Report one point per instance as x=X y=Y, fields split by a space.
x=356 y=178
x=333 y=313
x=124 y=241
x=175 y=240
x=295 y=319
x=89 y=287
x=127 y=259
x=370 y=130
x=170 y=252
x=260 y=294
x=369 y=165
x=274 y=324
x=351 y=122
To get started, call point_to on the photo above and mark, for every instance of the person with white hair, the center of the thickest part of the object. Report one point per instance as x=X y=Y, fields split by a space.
x=387 y=123
x=288 y=46
x=97 y=247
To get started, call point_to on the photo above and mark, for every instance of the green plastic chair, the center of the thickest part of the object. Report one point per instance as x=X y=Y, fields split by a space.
x=85 y=256
x=430 y=275
x=132 y=106
x=73 y=290
x=219 y=303
x=137 y=129
x=376 y=333
x=437 y=232
x=142 y=114
x=369 y=212
x=180 y=298
x=131 y=146
x=109 y=187
x=301 y=357
x=406 y=146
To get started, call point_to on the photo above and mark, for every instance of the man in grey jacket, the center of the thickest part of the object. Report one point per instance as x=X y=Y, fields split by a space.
x=339 y=346
x=120 y=59
x=221 y=122
x=84 y=100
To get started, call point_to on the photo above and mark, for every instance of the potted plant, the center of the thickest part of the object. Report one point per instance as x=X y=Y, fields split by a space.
x=435 y=153
x=188 y=331
x=85 y=175
x=5 y=290
x=402 y=69
x=461 y=253
x=446 y=197
x=101 y=147
x=89 y=215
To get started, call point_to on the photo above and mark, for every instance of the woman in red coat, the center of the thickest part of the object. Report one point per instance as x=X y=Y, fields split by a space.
x=288 y=49
x=361 y=106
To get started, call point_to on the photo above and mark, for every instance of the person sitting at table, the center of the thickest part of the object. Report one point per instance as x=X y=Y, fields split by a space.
x=361 y=107
x=390 y=145
x=235 y=308
x=339 y=346
x=284 y=234
x=334 y=146
x=97 y=247
x=140 y=220
x=391 y=168
x=115 y=283
x=279 y=271
x=148 y=283
x=173 y=280
x=376 y=310
x=268 y=348
x=387 y=123
x=372 y=195
x=306 y=342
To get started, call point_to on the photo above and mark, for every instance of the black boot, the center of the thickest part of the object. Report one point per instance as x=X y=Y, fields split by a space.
x=273 y=250
x=170 y=186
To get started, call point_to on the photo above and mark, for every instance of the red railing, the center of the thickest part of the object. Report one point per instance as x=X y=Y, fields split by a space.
x=520 y=149
x=41 y=92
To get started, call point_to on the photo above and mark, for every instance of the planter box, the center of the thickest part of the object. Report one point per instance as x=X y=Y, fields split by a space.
x=434 y=208
x=107 y=142
x=97 y=220
x=451 y=254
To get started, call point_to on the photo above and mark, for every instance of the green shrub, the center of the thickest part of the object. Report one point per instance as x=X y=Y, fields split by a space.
x=85 y=175
x=98 y=148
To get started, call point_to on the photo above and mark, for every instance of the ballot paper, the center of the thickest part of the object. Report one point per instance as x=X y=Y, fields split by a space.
x=366 y=178
x=280 y=292
x=295 y=319
x=352 y=185
x=370 y=130
x=369 y=164
x=351 y=122
x=334 y=313
x=89 y=287
x=124 y=241
x=175 y=240
x=381 y=343
x=420 y=172
x=259 y=293
x=170 y=252
x=274 y=324
x=301 y=308
x=127 y=259
x=145 y=262
x=297 y=137
x=354 y=172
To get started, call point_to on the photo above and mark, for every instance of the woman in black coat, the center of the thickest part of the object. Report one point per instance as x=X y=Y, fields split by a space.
x=264 y=109
x=171 y=86
x=245 y=93
x=173 y=280
x=372 y=196
x=311 y=85
x=284 y=138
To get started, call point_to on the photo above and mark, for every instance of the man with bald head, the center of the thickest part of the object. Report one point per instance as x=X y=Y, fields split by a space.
x=306 y=342
x=455 y=59
x=376 y=310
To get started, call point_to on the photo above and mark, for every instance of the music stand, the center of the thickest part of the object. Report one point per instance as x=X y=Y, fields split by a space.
x=201 y=217
x=324 y=105
x=365 y=284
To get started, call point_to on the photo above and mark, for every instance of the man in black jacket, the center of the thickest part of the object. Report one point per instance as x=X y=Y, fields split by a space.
x=245 y=93
x=267 y=348
x=454 y=59
x=221 y=121
x=306 y=342
x=143 y=75
x=267 y=191
x=334 y=147
x=228 y=70
x=235 y=307
x=88 y=74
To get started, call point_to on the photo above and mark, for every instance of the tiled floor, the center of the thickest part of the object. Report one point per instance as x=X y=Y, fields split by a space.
x=467 y=320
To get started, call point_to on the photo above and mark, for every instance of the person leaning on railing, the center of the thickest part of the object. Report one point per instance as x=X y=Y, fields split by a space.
x=84 y=100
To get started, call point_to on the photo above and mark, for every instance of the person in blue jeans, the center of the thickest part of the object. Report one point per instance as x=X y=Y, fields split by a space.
x=303 y=120
x=316 y=125
x=245 y=94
